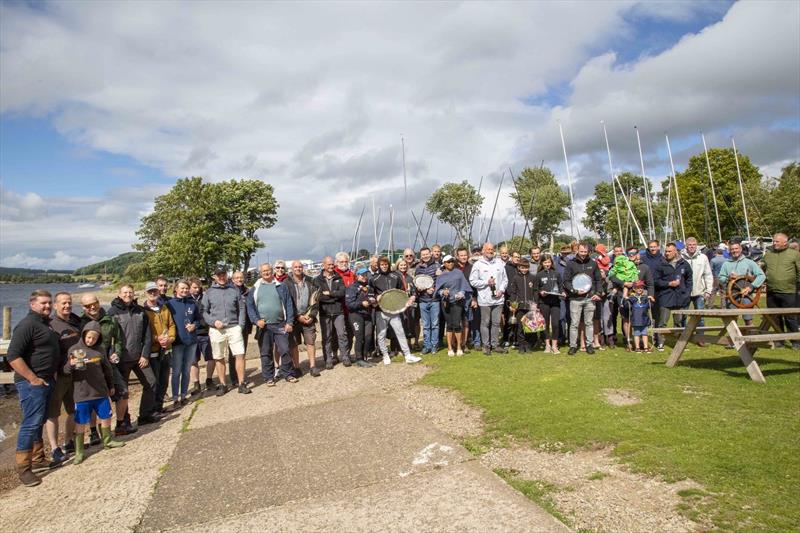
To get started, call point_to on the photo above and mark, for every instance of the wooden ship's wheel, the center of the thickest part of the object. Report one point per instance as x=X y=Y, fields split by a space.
x=737 y=284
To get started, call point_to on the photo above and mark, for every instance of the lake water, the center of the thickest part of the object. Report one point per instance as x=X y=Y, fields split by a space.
x=17 y=295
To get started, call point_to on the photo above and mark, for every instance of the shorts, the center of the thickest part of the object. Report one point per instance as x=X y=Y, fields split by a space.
x=303 y=334
x=83 y=410
x=62 y=394
x=203 y=349
x=640 y=332
x=223 y=339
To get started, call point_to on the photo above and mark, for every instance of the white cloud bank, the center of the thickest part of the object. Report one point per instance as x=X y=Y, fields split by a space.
x=313 y=98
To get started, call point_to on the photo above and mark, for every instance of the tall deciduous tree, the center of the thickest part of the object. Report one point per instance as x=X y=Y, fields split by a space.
x=550 y=204
x=197 y=225
x=456 y=204
x=601 y=213
x=782 y=211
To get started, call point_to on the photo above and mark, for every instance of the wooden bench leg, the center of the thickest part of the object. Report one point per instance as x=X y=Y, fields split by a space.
x=683 y=340
x=744 y=352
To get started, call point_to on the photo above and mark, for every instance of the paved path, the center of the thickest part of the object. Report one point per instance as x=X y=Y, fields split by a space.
x=343 y=452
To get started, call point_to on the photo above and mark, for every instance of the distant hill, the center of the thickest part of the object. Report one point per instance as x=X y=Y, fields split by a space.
x=8 y=271
x=114 y=266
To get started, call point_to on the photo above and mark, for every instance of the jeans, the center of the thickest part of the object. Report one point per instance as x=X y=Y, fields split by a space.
x=33 y=399
x=161 y=366
x=383 y=322
x=699 y=302
x=274 y=334
x=576 y=307
x=490 y=325
x=182 y=359
x=330 y=325
x=475 y=327
x=429 y=314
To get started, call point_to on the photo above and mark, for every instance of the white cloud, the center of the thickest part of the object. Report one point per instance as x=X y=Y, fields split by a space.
x=314 y=101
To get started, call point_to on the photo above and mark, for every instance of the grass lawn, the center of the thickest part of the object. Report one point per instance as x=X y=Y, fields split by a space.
x=704 y=419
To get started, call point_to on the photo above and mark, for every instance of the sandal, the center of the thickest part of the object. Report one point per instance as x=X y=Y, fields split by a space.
x=270 y=383
x=291 y=379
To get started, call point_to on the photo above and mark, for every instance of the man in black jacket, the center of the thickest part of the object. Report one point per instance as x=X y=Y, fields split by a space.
x=673 y=282
x=331 y=313
x=582 y=301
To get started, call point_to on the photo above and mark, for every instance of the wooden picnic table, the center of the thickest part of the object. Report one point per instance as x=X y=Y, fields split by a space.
x=745 y=339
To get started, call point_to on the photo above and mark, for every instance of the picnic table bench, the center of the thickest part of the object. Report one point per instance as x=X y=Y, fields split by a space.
x=6 y=378
x=745 y=339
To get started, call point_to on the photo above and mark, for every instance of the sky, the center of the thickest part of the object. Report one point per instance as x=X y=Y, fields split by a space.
x=104 y=105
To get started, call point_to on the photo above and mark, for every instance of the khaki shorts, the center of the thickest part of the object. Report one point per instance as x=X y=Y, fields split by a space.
x=223 y=339
x=62 y=394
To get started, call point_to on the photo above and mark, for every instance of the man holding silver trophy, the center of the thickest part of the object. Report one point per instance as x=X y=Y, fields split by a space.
x=583 y=284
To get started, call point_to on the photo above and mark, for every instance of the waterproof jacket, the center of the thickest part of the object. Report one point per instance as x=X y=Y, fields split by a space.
x=548 y=281
x=673 y=297
x=522 y=289
x=511 y=271
x=184 y=311
x=645 y=274
x=112 y=338
x=743 y=266
x=95 y=380
x=223 y=303
x=783 y=270
x=283 y=294
x=356 y=295
x=135 y=328
x=652 y=260
x=160 y=321
x=310 y=286
x=482 y=270
x=69 y=332
x=639 y=310
x=331 y=304
x=202 y=327
x=587 y=266
x=702 y=277
x=384 y=281
x=454 y=281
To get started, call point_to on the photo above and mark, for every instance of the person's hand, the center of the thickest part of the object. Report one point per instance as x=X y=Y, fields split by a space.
x=410 y=301
x=430 y=291
x=37 y=381
x=366 y=304
x=144 y=362
x=261 y=324
x=111 y=391
x=674 y=283
x=163 y=341
x=499 y=294
x=595 y=298
x=288 y=328
x=747 y=290
x=72 y=360
x=628 y=284
x=491 y=280
x=190 y=327
x=218 y=324
x=445 y=292
x=438 y=271
x=707 y=295
x=326 y=293
x=652 y=299
x=474 y=304
x=114 y=358
x=582 y=293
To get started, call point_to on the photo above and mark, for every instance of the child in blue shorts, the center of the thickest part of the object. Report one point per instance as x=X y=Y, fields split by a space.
x=639 y=309
x=92 y=379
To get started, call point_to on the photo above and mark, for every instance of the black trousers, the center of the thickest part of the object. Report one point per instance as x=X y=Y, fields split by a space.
x=363 y=329
x=781 y=299
x=552 y=318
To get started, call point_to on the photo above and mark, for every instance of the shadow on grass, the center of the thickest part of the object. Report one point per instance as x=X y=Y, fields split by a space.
x=733 y=366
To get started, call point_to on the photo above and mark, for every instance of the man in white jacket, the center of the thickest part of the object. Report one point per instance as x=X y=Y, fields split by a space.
x=702 y=278
x=489 y=278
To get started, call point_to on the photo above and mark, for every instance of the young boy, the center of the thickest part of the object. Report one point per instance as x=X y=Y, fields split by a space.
x=92 y=379
x=639 y=308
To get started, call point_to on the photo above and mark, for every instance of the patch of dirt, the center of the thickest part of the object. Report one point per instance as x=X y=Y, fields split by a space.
x=445 y=409
x=596 y=493
x=621 y=397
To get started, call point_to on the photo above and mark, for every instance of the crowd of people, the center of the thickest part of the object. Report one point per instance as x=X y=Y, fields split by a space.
x=81 y=364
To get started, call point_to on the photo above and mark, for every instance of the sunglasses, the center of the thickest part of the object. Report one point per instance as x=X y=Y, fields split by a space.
x=91 y=305
x=280 y=268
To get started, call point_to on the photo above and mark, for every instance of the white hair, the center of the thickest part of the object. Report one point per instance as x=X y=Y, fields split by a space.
x=343 y=256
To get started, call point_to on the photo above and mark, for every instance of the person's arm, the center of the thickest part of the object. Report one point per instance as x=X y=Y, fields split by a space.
x=567 y=279
x=314 y=308
x=351 y=298
x=659 y=280
x=338 y=292
x=205 y=310
x=147 y=337
x=289 y=306
x=475 y=279
x=708 y=277
x=723 y=275
x=597 y=281
x=171 y=330
x=252 y=310
x=797 y=270
x=119 y=338
x=648 y=282
x=759 y=274
x=21 y=368
x=502 y=281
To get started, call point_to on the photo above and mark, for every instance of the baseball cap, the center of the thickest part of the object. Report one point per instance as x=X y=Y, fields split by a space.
x=361 y=271
x=221 y=269
x=447 y=258
x=150 y=286
x=638 y=283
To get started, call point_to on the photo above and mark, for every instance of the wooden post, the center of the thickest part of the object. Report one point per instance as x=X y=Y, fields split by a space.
x=6 y=323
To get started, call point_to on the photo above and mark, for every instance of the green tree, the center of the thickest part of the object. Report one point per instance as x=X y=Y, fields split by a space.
x=197 y=225
x=456 y=204
x=693 y=183
x=782 y=211
x=601 y=213
x=549 y=205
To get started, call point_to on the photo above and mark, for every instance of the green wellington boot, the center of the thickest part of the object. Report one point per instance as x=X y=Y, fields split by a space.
x=108 y=442
x=79 y=455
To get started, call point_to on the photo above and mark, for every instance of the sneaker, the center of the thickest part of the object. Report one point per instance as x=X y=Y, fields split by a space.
x=459 y=353
x=425 y=350
x=58 y=457
x=243 y=389
x=222 y=390
x=387 y=360
x=661 y=347
x=270 y=383
x=572 y=351
x=451 y=353
x=315 y=372
x=590 y=350
x=410 y=359
x=69 y=447
x=297 y=372
x=346 y=361
x=195 y=390
x=487 y=351
x=120 y=431
x=363 y=364
x=130 y=428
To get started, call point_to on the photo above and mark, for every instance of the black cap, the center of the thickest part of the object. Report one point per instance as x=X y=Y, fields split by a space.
x=220 y=269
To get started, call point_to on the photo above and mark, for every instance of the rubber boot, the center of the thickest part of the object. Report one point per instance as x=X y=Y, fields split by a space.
x=94 y=437
x=79 y=455
x=38 y=461
x=24 y=471
x=108 y=442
